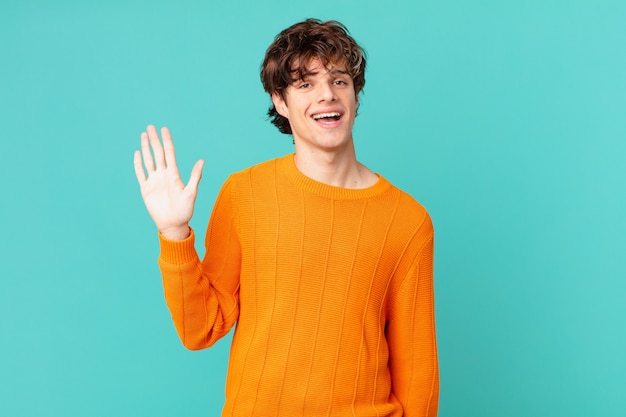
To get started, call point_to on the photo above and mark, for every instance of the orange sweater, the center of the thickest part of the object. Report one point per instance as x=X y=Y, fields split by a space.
x=331 y=290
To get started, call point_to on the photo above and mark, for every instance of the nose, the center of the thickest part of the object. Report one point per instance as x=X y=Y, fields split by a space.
x=325 y=92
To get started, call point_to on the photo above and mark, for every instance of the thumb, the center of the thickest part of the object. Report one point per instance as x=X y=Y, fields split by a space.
x=196 y=175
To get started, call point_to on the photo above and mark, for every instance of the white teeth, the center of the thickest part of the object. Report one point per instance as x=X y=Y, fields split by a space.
x=325 y=115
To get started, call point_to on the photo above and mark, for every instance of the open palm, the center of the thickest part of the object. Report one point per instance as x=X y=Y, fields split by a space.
x=169 y=201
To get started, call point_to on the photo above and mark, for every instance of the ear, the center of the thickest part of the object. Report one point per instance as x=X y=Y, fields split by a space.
x=281 y=106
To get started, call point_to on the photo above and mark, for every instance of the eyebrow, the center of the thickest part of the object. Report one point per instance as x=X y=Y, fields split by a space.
x=337 y=71
x=333 y=72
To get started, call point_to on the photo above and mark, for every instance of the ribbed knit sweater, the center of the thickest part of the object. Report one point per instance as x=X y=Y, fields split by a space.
x=331 y=290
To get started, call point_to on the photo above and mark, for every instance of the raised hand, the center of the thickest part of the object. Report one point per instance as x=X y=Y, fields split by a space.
x=169 y=201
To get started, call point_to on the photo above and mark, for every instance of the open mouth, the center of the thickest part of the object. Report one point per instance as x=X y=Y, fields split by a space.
x=327 y=117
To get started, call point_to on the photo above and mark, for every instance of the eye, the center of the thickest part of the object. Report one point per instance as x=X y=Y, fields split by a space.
x=304 y=85
x=340 y=82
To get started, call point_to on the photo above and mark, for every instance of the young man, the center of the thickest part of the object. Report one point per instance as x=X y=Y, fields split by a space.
x=324 y=266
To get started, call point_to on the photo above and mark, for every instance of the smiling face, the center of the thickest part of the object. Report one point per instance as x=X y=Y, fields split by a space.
x=321 y=107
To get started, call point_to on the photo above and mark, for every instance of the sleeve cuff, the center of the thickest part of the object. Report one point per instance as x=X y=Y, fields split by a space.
x=178 y=251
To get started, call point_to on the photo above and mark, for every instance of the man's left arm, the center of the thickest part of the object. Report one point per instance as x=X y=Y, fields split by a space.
x=412 y=341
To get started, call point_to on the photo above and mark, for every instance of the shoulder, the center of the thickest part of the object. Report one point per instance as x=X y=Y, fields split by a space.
x=253 y=181
x=262 y=171
x=409 y=209
x=411 y=228
x=260 y=168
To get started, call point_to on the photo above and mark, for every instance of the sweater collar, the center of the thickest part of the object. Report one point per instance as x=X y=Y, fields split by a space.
x=287 y=167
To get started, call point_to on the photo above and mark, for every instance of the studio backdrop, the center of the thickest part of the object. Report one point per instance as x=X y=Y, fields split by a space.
x=505 y=119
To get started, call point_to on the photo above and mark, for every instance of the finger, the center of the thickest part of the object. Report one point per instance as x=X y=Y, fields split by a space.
x=196 y=175
x=139 y=172
x=157 y=149
x=169 y=151
x=147 y=155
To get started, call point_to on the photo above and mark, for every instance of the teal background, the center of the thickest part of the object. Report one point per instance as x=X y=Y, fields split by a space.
x=506 y=119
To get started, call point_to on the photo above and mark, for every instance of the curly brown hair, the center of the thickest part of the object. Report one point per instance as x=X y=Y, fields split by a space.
x=329 y=41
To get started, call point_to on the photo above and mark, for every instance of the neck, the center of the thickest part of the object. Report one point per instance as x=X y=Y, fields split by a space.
x=338 y=168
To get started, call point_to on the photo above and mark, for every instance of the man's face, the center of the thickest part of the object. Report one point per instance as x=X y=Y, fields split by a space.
x=321 y=107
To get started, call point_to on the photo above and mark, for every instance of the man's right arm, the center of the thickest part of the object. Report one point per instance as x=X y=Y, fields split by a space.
x=203 y=302
x=203 y=297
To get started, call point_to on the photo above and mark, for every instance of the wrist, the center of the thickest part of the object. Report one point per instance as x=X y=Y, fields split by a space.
x=176 y=233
